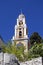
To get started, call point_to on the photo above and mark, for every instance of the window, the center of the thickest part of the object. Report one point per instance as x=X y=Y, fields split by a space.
x=19 y=44
x=20 y=23
x=19 y=28
x=20 y=34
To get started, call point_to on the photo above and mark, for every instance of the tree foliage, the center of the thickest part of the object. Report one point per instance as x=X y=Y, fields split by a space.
x=13 y=49
x=3 y=48
x=35 y=37
x=36 y=51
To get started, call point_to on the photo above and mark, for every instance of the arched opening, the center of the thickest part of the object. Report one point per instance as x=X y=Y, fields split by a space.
x=19 y=45
x=20 y=34
x=20 y=23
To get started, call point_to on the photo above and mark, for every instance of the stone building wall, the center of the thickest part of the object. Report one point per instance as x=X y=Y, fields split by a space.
x=8 y=59
x=35 y=61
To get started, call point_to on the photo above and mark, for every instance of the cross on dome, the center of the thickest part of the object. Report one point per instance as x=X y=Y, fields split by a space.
x=21 y=15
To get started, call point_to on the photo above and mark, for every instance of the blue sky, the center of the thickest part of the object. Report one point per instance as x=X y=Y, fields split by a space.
x=9 y=11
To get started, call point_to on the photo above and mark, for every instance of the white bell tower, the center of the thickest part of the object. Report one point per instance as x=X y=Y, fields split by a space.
x=21 y=34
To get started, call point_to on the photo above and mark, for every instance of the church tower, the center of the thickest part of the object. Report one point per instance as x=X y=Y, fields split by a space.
x=21 y=34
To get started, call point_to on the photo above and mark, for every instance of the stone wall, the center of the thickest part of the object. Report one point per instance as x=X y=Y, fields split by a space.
x=8 y=59
x=35 y=61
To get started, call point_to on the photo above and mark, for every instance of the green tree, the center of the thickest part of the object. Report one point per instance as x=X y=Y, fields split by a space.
x=8 y=48
x=35 y=37
x=36 y=51
x=17 y=51
x=20 y=53
x=3 y=48
x=42 y=40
